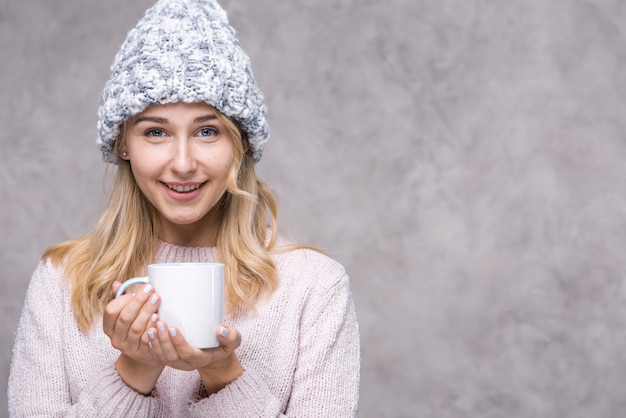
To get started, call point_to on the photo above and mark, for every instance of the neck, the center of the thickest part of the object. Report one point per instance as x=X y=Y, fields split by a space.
x=197 y=234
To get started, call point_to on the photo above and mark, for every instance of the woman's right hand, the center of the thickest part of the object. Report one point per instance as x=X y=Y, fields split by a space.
x=125 y=321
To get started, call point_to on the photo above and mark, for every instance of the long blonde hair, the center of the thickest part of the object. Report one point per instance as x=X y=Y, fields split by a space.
x=124 y=239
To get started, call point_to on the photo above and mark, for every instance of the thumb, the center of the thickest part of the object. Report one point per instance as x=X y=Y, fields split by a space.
x=228 y=337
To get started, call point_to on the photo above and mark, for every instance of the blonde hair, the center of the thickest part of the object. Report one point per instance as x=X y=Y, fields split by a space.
x=124 y=239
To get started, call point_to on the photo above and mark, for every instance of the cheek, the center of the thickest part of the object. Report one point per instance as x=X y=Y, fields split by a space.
x=222 y=162
x=143 y=171
x=145 y=160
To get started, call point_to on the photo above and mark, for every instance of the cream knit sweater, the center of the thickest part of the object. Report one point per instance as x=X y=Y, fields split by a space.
x=300 y=352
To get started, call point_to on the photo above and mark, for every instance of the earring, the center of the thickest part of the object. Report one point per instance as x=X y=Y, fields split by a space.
x=124 y=154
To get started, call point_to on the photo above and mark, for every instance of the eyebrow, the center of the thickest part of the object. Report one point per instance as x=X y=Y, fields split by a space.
x=149 y=119
x=156 y=119
x=205 y=118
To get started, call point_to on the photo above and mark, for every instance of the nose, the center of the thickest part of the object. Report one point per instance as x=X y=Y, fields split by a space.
x=183 y=161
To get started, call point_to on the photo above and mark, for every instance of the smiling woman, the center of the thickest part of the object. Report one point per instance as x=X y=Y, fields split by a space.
x=184 y=123
x=180 y=155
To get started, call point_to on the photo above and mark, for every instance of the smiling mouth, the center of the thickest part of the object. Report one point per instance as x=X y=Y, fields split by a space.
x=183 y=189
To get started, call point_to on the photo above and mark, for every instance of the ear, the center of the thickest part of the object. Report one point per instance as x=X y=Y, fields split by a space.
x=123 y=153
x=246 y=144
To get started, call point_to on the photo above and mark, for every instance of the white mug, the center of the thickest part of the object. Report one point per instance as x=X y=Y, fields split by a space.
x=192 y=298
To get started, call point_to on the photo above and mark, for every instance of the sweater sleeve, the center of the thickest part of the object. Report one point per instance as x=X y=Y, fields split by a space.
x=326 y=380
x=38 y=381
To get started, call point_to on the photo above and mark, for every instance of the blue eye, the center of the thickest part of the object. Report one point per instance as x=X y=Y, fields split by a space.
x=207 y=132
x=155 y=132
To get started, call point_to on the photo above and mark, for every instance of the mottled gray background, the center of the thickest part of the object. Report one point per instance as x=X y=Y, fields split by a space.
x=464 y=160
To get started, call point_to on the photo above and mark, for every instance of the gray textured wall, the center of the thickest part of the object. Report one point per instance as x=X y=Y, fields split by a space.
x=464 y=159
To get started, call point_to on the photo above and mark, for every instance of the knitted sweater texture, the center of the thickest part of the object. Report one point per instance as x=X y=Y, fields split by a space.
x=300 y=352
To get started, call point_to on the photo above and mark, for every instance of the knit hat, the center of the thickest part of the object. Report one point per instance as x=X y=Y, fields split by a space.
x=182 y=50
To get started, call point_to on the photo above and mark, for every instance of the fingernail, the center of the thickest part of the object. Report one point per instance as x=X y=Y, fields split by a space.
x=151 y=335
x=154 y=299
x=160 y=326
x=154 y=317
x=223 y=331
x=172 y=331
x=147 y=288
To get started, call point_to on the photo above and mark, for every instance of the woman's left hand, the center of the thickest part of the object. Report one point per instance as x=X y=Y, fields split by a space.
x=217 y=366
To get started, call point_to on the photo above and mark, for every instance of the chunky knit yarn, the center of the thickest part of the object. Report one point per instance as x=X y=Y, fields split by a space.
x=300 y=352
x=182 y=50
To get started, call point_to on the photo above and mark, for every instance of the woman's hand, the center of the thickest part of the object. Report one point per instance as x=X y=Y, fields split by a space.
x=125 y=321
x=217 y=366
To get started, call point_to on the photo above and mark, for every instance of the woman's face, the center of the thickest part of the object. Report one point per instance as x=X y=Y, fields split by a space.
x=180 y=155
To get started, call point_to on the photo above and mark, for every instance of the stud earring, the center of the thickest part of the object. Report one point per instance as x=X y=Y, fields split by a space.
x=124 y=154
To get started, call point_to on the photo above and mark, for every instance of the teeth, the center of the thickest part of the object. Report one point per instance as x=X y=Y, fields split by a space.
x=183 y=189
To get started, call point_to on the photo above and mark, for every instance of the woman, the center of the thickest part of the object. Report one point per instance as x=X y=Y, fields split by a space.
x=184 y=121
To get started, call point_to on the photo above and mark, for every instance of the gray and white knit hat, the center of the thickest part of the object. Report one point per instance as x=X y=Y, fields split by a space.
x=182 y=50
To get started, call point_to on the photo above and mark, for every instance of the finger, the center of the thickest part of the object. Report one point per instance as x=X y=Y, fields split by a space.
x=228 y=337
x=154 y=344
x=164 y=336
x=116 y=285
x=184 y=349
x=111 y=313
x=134 y=313
x=146 y=337
x=147 y=315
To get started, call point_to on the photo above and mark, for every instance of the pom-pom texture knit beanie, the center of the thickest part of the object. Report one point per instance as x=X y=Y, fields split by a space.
x=182 y=50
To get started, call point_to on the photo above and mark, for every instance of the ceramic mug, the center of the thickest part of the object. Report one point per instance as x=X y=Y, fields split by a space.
x=192 y=298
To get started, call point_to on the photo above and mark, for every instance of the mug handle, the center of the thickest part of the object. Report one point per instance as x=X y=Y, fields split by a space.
x=130 y=282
